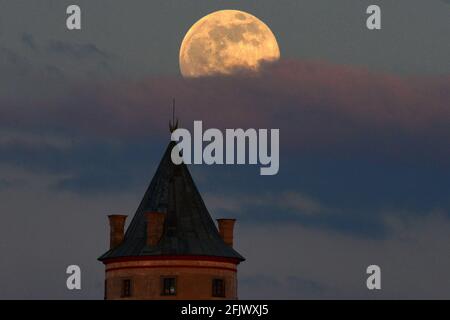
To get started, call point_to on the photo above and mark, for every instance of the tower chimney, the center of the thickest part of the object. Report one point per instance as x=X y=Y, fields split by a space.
x=116 y=233
x=226 y=227
x=155 y=227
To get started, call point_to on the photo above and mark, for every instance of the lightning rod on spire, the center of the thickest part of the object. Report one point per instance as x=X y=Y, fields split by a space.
x=173 y=125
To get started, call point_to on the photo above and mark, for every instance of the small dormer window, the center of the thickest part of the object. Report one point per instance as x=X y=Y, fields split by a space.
x=218 y=288
x=169 y=286
x=126 y=288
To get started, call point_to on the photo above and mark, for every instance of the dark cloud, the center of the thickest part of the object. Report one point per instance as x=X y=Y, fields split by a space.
x=13 y=63
x=348 y=196
x=77 y=51
x=353 y=142
x=54 y=72
x=74 y=50
x=28 y=40
x=27 y=75
x=317 y=106
x=355 y=117
x=5 y=183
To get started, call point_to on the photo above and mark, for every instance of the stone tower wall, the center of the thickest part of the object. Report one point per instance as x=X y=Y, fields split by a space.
x=194 y=278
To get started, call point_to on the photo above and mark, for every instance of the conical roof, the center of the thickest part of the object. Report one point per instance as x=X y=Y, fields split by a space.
x=188 y=227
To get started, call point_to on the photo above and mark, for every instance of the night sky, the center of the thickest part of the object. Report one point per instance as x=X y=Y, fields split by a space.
x=364 y=119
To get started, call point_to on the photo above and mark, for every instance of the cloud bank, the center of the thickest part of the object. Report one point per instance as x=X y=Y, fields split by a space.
x=316 y=105
x=364 y=175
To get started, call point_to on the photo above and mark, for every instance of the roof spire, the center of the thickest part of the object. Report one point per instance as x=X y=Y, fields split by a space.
x=173 y=125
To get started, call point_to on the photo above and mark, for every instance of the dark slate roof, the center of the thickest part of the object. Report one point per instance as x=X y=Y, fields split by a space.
x=188 y=228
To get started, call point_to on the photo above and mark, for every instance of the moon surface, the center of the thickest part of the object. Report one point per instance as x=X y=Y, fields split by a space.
x=227 y=42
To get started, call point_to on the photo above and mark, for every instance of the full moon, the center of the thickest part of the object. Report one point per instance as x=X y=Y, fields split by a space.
x=227 y=42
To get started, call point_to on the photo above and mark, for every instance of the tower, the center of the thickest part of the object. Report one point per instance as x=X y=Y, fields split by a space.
x=172 y=248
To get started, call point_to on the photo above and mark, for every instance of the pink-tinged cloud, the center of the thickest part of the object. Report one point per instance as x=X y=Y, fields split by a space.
x=316 y=105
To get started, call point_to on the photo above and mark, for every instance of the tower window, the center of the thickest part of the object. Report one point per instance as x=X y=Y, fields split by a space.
x=126 y=288
x=218 y=288
x=169 y=286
